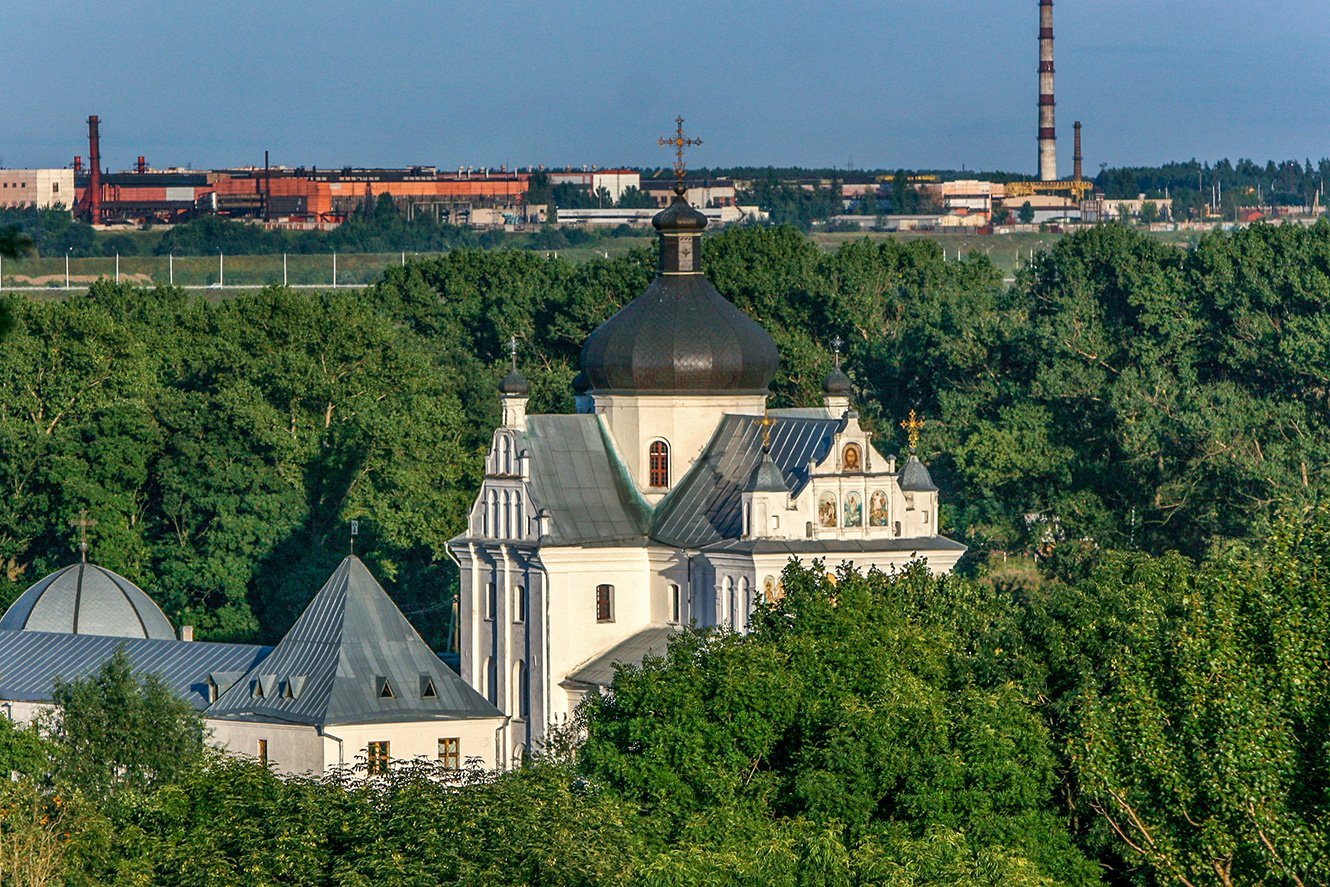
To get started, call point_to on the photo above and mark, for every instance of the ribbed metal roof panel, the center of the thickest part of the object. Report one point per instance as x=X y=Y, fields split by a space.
x=350 y=635
x=30 y=661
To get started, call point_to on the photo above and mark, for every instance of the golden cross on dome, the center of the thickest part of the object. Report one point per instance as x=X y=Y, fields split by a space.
x=766 y=423
x=912 y=427
x=836 y=344
x=512 y=349
x=83 y=523
x=679 y=141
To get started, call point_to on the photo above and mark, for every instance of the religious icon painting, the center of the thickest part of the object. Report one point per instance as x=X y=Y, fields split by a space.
x=852 y=458
x=877 y=509
x=854 y=509
x=826 y=510
x=769 y=589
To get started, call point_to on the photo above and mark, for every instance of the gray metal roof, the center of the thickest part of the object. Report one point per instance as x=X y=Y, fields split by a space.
x=599 y=670
x=84 y=598
x=351 y=658
x=706 y=506
x=577 y=475
x=915 y=477
x=766 y=478
x=30 y=661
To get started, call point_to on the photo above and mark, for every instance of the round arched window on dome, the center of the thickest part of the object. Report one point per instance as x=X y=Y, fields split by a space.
x=658 y=464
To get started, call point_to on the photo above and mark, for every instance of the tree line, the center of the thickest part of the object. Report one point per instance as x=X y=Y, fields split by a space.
x=1123 y=394
x=1138 y=720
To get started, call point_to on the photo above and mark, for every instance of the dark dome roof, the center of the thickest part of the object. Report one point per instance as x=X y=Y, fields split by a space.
x=837 y=382
x=514 y=383
x=84 y=598
x=581 y=384
x=914 y=477
x=679 y=216
x=680 y=336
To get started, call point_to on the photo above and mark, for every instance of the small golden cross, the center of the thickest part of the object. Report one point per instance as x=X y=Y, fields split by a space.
x=766 y=424
x=679 y=142
x=83 y=523
x=912 y=427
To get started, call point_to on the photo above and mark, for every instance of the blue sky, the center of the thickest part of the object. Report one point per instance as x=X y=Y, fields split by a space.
x=914 y=83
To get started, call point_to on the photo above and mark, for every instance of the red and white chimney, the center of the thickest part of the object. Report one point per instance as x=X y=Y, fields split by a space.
x=1048 y=137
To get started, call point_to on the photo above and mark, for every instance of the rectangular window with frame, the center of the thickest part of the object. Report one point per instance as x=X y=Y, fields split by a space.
x=604 y=603
x=491 y=600
x=519 y=603
x=450 y=753
x=263 y=752
x=378 y=758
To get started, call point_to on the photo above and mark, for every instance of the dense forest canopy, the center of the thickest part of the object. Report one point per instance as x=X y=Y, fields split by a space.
x=1122 y=394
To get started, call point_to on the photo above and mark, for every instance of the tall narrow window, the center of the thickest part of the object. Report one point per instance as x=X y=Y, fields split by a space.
x=659 y=464
x=491 y=600
x=519 y=709
x=490 y=679
x=519 y=603
x=604 y=603
x=745 y=602
x=727 y=602
x=450 y=753
x=263 y=752
x=378 y=758
x=507 y=531
x=674 y=604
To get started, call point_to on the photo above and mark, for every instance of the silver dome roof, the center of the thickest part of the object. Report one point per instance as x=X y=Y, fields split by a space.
x=84 y=598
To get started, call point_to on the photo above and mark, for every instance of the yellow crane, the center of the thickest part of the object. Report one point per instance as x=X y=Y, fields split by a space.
x=1078 y=187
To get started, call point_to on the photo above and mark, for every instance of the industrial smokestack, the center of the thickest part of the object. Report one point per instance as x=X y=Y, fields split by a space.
x=1048 y=137
x=95 y=169
x=1076 y=157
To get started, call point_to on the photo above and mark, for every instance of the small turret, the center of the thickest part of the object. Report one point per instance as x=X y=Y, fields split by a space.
x=514 y=391
x=836 y=387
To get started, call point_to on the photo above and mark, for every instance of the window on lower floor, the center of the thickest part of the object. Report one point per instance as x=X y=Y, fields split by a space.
x=519 y=603
x=263 y=752
x=675 y=604
x=604 y=603
x=491 y=600
x=450 y=753
x=378 y=758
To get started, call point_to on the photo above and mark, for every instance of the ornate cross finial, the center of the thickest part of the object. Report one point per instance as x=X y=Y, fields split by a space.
x=355 y=531
x=512 y=349
x=836 y=344
x=679 y=141
x=83 y=523
x=912 y=427
x=766 y=423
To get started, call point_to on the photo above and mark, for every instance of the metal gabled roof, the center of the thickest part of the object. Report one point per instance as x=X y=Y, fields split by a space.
x=914 y=477
x=578 y=476
x=705 y=507
x=599 y=669
x=331 y=667
x=30 y=661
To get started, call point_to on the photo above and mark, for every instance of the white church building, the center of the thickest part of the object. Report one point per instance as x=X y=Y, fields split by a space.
x=673 y=496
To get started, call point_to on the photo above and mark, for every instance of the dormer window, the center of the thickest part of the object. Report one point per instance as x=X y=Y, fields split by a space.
x=658 y=464
x=385 y=688
x=427 y=690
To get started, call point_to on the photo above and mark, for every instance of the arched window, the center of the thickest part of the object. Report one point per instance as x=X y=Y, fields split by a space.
x=505 y=455
x=487 y=678
x=675 y=604
x=745 y=602
x=493 y=514
x=519 y=603
x=507 y=531
x=658 y=458
x=519 y=523
x=727 y=602
x=520 y=706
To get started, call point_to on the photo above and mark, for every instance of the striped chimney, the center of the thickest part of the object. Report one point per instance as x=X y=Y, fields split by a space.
x=1048 y=138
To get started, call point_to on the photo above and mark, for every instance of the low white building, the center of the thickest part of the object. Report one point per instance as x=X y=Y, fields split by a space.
x=42 y=188
x=673 y=496
x=351 y=684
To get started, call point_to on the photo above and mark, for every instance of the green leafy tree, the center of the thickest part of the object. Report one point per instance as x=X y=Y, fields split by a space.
x=117 y=731
x=1025 y=213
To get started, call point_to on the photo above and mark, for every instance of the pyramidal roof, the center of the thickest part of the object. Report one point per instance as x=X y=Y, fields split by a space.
x=351 y=658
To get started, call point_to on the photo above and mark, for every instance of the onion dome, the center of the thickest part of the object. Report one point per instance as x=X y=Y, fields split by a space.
x=514 y=384
x=84 y=598
x=837 y=383
x=914 y=477
x=680 y=336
